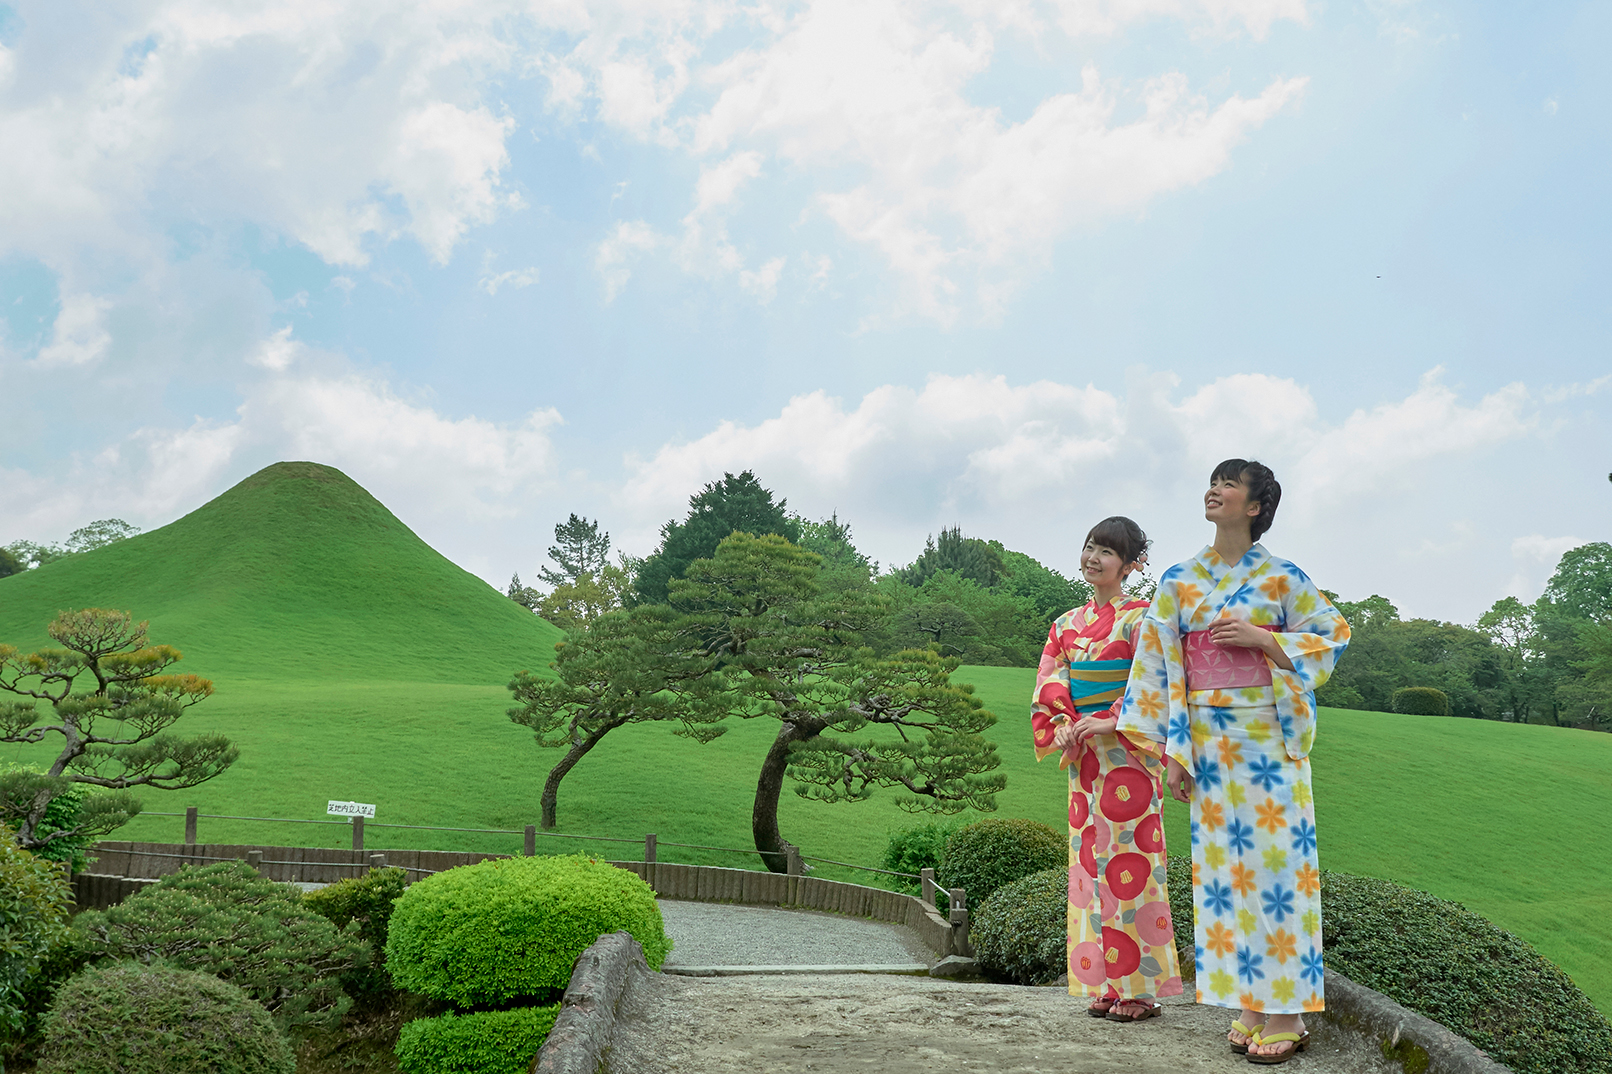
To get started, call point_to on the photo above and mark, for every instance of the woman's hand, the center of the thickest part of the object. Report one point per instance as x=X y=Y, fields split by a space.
x=1065 y=739
x=1092 y=724
x=1241 y=634
x=1178 y=781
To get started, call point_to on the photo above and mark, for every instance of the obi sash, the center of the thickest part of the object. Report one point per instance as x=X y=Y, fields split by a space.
x=1094 y=685
x=1216 y=667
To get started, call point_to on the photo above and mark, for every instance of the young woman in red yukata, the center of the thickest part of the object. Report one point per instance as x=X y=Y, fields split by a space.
x=1121 y=941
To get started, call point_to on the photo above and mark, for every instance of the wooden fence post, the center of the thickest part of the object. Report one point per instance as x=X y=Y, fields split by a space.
x=926 y=877
x=649 y=849
x=531 y=840
x=377 y=861
x=793 y=866
x=254 y=860
x=358 y=833
x=190 y=826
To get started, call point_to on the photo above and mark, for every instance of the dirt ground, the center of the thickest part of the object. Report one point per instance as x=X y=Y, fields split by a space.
x=923 y=1025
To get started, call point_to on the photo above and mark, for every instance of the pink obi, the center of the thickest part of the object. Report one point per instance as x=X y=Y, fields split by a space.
x=1215 y=667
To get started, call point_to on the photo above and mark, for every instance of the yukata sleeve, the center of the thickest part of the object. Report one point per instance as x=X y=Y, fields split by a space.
x=1153 y=713
x=1313 y=636
x=1051 y=704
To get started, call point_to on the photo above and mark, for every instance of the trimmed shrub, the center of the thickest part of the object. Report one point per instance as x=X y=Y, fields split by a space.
x=34 y=904
x=1442 y=960
x=492 y=1042
x=131 y=1019
x=988 y=854
x=1421 y=701
x=1019 y=932
x=919 y=847
x=501 y=930
x=366 y=903
x=227 y=920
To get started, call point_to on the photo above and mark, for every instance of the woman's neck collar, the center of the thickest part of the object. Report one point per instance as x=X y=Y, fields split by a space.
x=1102 y=601
x=1232 y=544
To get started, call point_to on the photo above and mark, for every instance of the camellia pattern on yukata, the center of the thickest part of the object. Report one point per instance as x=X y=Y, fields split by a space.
x=1246 y=740
x=1121 y=940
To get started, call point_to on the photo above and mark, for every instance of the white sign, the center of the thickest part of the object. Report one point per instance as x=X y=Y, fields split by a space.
x=350 y=809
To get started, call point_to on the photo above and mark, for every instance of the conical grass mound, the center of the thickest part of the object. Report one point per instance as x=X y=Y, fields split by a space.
x=295 y=573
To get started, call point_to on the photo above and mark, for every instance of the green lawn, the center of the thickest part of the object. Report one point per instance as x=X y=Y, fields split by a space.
x=1511 y=821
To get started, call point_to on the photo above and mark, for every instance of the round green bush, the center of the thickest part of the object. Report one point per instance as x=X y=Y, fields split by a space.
x=490 y=1042
x=34 y=904
x=1018 y=935
x=1420 y=701
x=482 y=935
x=1442 y=960
x=132 y=1019
x=988 y=854
x=227 y=920
x=364 y=902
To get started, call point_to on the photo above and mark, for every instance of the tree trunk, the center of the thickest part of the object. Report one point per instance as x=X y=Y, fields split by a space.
x=770 y=785
x=578 y=750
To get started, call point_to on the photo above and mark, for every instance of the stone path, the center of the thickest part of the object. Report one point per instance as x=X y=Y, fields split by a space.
x=892 y=1024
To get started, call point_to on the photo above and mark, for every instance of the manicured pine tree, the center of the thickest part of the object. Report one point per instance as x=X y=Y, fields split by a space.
x=734 y=504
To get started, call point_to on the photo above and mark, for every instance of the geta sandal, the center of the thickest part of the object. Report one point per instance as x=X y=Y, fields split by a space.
x=1300 y=1042
x=1251 y=1032
x=1148 y=1010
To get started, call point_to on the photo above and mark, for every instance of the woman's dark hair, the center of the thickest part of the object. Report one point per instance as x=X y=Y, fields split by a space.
x=1122 y=535
x=1262 y=488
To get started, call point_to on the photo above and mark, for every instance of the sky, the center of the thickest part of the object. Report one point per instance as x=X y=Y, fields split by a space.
x=1009 y=265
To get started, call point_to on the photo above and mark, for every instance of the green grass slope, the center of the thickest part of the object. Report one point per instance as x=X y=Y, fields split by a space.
x=295 y=573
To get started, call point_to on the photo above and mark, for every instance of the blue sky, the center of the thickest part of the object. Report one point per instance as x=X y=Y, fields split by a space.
x=1015 y=266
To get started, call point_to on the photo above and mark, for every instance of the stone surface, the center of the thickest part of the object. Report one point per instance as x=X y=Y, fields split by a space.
x=924 y=1025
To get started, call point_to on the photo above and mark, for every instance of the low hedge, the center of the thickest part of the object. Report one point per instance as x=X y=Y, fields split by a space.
x=227 y=920
x=504 y=930
x=1019 y=933
x=989 y=854
x=491 y=1042
x=1442 y=960
x=1420 y=701
x=364 y=902
x=132 y=1019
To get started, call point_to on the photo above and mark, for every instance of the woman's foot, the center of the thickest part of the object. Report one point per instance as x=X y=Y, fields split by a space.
x=1275 y=1024
x=1101 y=1006
x=1133 y=1010
x=1243 y=1029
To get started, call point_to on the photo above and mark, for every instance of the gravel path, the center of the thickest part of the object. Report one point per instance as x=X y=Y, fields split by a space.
x=923 y=1025
x=708 y=934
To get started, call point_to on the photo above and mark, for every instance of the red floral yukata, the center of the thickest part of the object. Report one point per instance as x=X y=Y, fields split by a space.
x=1121 y=941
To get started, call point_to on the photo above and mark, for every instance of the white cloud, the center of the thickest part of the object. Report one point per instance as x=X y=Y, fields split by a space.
x=515 y=278
x=80 y=335
x=613 y=257
x=447 y=470
x=1036 y=464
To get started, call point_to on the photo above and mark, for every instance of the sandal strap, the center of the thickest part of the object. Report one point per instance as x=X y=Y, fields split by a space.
x=1238 y=1027
x=1277 y=1038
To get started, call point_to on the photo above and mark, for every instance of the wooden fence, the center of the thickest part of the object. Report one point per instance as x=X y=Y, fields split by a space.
x=121 y=868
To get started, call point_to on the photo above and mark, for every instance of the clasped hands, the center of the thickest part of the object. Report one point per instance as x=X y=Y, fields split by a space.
x=1070 y=737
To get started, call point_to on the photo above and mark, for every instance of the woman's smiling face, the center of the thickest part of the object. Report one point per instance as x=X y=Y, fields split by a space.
x=1227 y=501
x=1101 y=566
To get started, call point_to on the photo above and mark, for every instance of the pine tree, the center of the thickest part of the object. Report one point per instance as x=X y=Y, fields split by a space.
x=581 y=550
x=733 y=505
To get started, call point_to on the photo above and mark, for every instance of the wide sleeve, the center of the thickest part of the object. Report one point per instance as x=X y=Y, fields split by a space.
x=1153 y=713
x=1313 y=636
x=1051 y=705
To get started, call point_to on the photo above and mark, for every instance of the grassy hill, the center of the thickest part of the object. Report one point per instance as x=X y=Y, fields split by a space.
x=295 y=573
x=352 y=661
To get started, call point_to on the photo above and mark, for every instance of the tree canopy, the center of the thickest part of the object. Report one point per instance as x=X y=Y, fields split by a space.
x=720 y=508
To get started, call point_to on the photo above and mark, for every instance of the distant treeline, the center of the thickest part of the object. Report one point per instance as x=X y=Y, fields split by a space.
x=974 y=599
x=969 y=598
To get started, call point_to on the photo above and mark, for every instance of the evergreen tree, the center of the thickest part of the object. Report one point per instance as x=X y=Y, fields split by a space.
x=970 y=557
x=580 y=549
x=114 y=734
x=9 y=563
x=792 y=652
x=733 y=505
x=520 y=594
